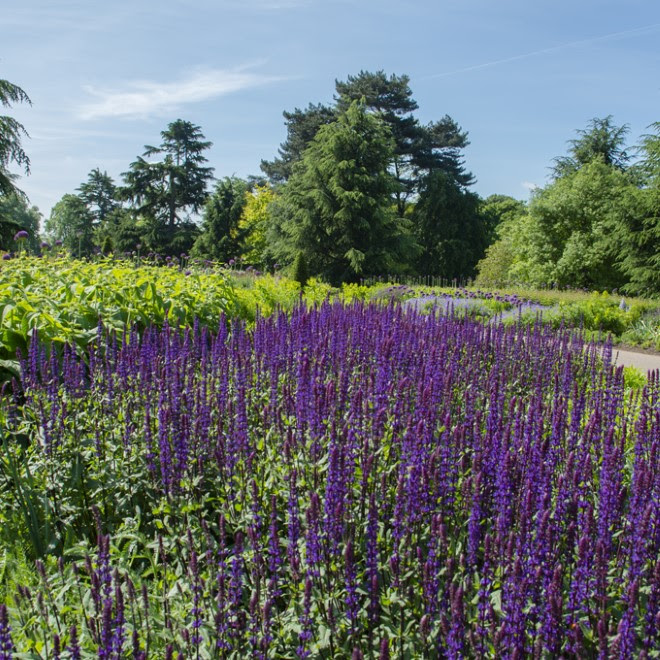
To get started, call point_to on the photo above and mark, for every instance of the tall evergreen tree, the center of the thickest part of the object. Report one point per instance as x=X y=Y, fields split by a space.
x=301 y=127
x=602 y=140
x=11 y=134
x=336 y=208
x=219 y=239
x=418 y=149
x=167 y=192
x=449 y=227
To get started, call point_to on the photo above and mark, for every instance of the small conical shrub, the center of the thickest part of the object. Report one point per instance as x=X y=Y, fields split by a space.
x=107 y=247
x=300 y=272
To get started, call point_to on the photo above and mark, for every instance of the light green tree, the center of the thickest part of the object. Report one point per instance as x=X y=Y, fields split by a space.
x=72 y=223
x=253 y=225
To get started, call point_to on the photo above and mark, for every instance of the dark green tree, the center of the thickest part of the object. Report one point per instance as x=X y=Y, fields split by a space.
x=649 y=152
x=449 y=228
x=336 y=208
x=17 y=214
x=300 y=272
x=301 y=127
x=638 y=238
x=219 y=239
x=72 y=223
x=168 y=192
x=639 y=230
x=126 y=233
x=602 y=140
x=11 y=134
x=418 y=149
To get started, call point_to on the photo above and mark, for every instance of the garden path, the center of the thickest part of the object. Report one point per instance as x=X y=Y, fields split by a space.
x=641 y=360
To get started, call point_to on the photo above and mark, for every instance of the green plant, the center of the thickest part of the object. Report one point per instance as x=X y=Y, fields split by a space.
x=300 y=271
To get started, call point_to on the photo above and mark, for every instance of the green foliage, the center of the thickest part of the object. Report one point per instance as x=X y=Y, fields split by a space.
x=107 y=247
x=448 y=227
x=166 y=192
x=649 y=150
x=62 y=300
x=266 y=295
x=638 y=237
x=302 y=126
x=16 y=214
x=317 y=292
x=72 y=223
x=351 y=292
x=300 y=272
x=645 y=332
x=335 y=209
x=419 y=149
x=602 y=141
x=600 y=312
x=11 y=134
x=573 y=229
x=100 y=195
x=126 y=232
x=219 y=238
x=253 y=225
x=633 y=378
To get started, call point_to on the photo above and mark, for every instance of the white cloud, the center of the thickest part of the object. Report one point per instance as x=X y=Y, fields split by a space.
x=529 y=186
x=145 y=98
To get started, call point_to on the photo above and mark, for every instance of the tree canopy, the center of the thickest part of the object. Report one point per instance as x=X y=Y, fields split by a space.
x=335 y=209
x=219 y=239
x=169 y=191
x=12 y=133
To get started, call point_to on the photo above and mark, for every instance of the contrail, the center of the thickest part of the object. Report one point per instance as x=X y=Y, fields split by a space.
x=553 y=49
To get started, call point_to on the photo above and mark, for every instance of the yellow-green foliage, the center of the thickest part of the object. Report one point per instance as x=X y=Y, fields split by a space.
x=634 y=378
x=267 y=294
x=351 y=292
x=63 y=299
x=600 y=312
x=317 y=292
x=254 y=222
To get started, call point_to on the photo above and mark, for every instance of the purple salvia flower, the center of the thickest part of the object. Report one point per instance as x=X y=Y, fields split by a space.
x=6 y=644
x=74 y=646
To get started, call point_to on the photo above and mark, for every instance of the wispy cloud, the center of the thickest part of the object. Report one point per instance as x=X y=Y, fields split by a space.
x=145 y=98
x=528 y=185
x=552 y=49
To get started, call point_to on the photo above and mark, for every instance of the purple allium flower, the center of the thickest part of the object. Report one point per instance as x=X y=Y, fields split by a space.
x=6 y=256
x=21 y=235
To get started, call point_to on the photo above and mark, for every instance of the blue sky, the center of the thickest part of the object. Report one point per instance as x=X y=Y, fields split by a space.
x=520 y=76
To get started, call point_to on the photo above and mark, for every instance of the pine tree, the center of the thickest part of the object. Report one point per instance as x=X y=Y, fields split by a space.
x=336 y=208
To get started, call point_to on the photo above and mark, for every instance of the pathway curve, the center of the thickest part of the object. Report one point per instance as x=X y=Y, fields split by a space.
x=642 y=361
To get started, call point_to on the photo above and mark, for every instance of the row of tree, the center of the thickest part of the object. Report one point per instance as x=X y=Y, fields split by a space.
x=362 y=188
x=595 y=225
x=359 y=188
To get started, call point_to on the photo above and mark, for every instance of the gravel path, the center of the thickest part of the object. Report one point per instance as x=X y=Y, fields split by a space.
x=642 y=361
